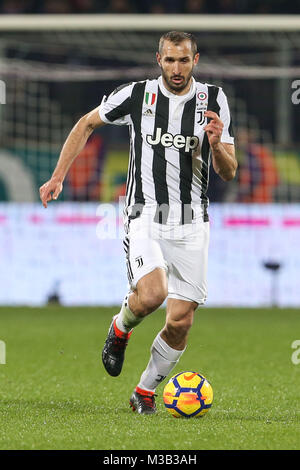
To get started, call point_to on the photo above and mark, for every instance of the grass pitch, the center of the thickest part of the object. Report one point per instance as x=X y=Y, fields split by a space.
x=55 y=393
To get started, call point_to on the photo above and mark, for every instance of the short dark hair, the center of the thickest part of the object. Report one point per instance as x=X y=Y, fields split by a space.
x=177 y=37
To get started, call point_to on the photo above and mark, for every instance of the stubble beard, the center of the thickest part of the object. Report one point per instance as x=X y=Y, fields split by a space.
x=177 y=88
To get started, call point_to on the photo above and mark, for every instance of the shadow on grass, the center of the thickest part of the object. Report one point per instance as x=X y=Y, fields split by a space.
x=224 y=415
x=108 y=408
x=70 y=406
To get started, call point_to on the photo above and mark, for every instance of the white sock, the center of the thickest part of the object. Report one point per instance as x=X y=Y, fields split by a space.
x=163 y=359
x=126 y=320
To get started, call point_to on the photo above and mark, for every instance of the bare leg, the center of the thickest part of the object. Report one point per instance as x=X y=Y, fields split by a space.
x=150 y=293
x=179 y=319
x=169 y=344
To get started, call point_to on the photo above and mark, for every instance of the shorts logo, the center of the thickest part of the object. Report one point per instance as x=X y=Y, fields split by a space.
x=139 y=261
x=178 y=141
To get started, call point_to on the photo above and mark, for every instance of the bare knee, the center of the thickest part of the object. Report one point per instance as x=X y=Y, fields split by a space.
x=178 y=323
x=150 y=300
x=151 y=292
x=177 y=330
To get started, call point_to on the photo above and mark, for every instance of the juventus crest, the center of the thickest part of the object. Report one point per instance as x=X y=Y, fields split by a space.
x=139 y=261
x=200 y=115
x=201 y=107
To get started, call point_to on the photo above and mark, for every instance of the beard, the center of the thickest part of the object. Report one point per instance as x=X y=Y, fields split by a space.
x=180 y=86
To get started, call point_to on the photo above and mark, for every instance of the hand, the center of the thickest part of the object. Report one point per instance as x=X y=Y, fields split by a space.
x=214 y=128
x=50 y=190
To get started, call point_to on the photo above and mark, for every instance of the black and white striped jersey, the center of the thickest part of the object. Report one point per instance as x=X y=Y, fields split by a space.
x=169 y=150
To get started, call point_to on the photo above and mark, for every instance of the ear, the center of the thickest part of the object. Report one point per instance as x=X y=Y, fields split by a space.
x=158 y=58
x=196 y=58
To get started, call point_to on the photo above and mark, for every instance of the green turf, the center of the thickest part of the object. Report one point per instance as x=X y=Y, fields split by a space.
x=55 y=394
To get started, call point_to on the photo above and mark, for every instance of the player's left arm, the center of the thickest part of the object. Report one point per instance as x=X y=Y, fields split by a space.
x=223 y=154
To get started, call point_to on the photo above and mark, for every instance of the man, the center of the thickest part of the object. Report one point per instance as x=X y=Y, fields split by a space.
x=177 y=125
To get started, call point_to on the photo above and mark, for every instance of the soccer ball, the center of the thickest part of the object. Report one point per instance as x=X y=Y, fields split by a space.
x=188 y=394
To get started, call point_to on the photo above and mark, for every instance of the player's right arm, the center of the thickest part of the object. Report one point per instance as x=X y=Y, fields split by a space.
x=73 y=145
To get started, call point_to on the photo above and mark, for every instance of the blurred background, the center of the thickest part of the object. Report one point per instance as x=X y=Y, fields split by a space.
x=53 y=72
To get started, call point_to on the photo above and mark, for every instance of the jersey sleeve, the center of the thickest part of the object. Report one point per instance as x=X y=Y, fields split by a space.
x=227 y=134
x=116 y=108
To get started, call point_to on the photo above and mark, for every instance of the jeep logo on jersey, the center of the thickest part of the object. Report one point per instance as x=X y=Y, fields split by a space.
x=178 y=141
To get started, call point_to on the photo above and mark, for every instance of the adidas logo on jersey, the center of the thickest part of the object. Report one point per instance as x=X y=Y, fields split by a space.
x=178 y=141
x=148 y=112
